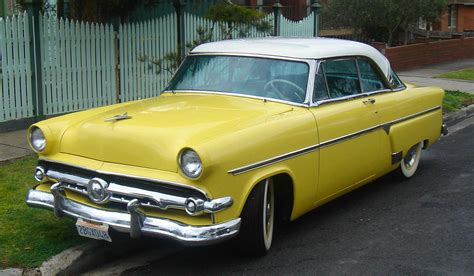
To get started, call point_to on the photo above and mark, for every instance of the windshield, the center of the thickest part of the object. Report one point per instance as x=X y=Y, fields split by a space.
x=262 y=77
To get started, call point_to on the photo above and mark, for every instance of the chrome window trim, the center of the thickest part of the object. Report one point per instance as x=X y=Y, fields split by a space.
x=363 y=94
x=310 y=81
x=403 y=87
x=385 y=126
x=384 y=78
x=318 y=68
x=156 y=180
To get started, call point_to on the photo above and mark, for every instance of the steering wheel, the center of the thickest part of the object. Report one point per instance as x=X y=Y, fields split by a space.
x=288 y=94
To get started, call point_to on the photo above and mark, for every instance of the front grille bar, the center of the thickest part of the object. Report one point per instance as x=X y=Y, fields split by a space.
x=147 y=198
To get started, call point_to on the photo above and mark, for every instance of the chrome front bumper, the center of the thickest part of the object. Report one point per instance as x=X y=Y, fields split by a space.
x=134 y=221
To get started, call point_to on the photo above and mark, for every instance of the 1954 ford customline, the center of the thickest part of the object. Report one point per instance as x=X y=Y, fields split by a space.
x=248 y=133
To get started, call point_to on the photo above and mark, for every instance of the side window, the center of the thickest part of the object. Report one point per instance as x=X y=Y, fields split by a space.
x=395 y=81
x=341 y=77
x=320 y=89
x=369 y=77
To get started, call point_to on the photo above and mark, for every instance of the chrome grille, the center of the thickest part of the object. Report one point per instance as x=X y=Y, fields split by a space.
x=123 y=189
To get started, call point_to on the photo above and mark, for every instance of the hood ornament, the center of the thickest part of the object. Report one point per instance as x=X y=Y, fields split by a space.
x=119 y=117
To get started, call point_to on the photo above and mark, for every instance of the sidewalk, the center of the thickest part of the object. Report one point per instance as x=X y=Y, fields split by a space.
x=14 y=145
x=424 y=76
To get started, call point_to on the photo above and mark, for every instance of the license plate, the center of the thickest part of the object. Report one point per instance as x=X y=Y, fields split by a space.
x=93 y=230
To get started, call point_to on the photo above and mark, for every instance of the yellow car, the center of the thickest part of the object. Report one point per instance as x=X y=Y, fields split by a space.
x=248 y=133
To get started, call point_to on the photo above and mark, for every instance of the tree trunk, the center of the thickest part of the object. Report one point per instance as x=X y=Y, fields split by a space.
x=390 y=38
x=406 y=35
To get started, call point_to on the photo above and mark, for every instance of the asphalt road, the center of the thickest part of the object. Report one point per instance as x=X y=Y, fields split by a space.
x=421 y=226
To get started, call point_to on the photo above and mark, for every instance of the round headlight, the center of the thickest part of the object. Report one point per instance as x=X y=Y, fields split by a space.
x=190 y=163
x=37 y=139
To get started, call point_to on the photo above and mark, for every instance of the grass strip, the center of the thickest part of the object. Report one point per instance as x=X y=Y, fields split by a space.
x=465 y=74
x=28 y=236
x=455 y=100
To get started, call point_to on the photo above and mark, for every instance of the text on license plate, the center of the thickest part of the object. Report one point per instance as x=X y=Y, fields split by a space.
x=93 y=230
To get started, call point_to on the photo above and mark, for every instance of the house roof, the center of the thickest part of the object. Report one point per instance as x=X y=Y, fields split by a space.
x=302 y=48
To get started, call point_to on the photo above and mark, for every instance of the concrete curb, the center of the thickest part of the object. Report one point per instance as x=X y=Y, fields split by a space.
x=455 y=117
x=69 y=258
x=93 y=254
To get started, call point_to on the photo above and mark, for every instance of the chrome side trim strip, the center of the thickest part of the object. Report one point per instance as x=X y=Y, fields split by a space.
x=279 y=158
x=347 y=137
x=413 y=116
x=156 y=180
x=274 y=160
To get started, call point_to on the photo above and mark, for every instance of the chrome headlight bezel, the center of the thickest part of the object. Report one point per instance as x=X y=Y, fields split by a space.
x=186 y=158
x=37 y=139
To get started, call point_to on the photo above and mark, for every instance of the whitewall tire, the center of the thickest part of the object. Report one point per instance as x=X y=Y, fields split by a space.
x=410 y=161
x=258 y=220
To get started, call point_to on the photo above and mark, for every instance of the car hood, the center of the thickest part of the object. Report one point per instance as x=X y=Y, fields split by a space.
x=159 y=128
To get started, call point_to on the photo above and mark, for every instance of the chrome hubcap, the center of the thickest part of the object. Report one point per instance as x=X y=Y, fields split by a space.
x=269 y=207
x=410 y=158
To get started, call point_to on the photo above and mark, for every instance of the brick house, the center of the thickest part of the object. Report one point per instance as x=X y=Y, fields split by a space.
x=458 y=17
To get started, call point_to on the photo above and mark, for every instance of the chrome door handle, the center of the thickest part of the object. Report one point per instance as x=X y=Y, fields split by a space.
x=369 y=101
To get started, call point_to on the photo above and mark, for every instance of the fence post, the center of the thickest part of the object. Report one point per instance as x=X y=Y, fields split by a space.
x=260 y=6
x=33 y=8
x=316 y=10
x=179 y=7
x=276 y=17
x=117 y=62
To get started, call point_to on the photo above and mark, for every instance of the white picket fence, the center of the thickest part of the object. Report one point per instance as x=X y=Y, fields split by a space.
x=16 y=93
x=142 y=45
x=193 y=22
x=78 y=65
x=302 y=28
x=80 y=61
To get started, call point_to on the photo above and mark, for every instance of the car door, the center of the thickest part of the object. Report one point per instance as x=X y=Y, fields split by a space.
x=347 y=124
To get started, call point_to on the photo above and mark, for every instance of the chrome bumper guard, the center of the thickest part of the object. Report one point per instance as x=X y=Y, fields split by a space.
x=134 y=221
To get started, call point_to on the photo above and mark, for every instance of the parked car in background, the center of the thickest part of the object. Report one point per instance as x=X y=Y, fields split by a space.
x=247 y=134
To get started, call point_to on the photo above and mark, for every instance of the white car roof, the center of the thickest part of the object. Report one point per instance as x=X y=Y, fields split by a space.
x=306 y=48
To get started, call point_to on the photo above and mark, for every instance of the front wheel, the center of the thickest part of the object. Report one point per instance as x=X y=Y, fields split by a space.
x=409 y=163
x=258 y=220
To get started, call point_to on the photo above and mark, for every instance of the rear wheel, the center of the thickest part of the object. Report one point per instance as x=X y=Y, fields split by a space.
x=258 y=220
x=409 y=163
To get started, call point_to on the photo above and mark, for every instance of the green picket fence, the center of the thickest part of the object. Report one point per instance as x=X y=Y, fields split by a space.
x=16 y=93
x=143 y=46
x=86 y=65
x=78 y=65
x=193 y=22
x=302 y=28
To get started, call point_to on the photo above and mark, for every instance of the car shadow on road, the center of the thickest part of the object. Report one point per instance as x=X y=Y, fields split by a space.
x=329 y=223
